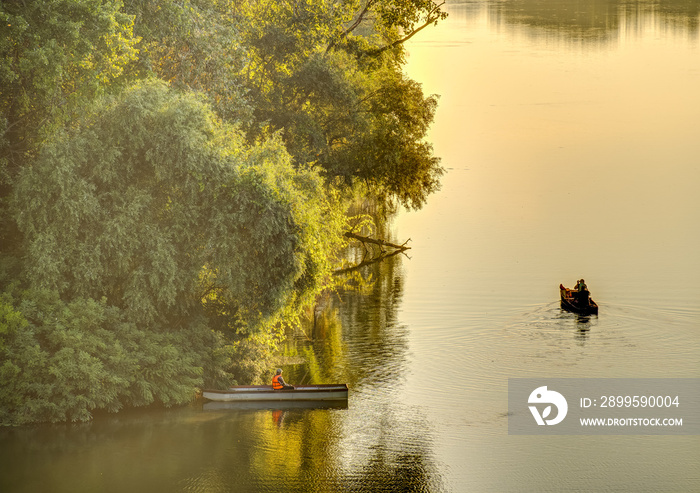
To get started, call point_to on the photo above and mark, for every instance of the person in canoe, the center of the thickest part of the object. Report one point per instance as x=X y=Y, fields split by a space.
x=582 y=293
x=278 y=382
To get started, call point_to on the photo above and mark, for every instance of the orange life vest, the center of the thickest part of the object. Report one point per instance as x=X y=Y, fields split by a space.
x=276 y=382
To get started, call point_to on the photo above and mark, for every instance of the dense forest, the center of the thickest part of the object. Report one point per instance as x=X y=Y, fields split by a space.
x=175 y=181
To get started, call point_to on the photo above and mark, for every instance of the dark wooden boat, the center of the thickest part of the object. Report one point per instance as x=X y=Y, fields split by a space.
x=241 y=393
x=571 y=304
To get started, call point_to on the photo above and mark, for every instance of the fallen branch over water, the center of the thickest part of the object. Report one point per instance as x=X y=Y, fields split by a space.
x=365 y=263
x=382 y=255
x=380 y=242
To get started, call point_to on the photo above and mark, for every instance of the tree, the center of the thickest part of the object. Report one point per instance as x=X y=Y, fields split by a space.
x=339 y=96
x=148 y=201
x=387 y=151
x=396 y=20
x=159 y=247
x=312 y=70
x=196 y=45
x=158 y=237
x=56 y=53
x=56 y=56
x=66 y=359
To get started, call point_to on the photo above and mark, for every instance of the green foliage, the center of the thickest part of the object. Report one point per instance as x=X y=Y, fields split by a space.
x=11 y=321
x=66 y=359
x=194 y=44
x=406 y=17
x=56 y=56
x=252 y=357
x=387 y=150
x=339 y=97
x=203 y=243
x=56 y=53
x=155 y=207
x=144 y=195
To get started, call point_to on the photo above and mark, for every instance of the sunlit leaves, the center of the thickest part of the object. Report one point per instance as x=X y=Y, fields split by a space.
x=408 y=15
x=196 y=244
x=56 y=52
x=338 y=101
x=144 y=195
x=201 y=242
x=194 y=44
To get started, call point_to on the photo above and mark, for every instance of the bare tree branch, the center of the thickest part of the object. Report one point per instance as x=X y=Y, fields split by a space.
x=380 y=242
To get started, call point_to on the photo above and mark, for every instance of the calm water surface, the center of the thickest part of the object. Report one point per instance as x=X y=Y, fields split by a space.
x=571 y=136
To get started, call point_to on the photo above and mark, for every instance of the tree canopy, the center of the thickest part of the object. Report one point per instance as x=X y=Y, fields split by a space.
x=173 y=181
x=328 y=75
x=56 y=55
x=155 y=207
x=152 y=202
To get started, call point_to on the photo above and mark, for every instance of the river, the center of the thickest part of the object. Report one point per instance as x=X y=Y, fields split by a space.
x=570 y=132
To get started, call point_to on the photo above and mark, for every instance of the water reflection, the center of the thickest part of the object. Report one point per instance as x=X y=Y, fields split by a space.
x=566 y=129
x=355 y=333
x=586 y=22
x=357 y=338
x=583 y=327
x=476 y=296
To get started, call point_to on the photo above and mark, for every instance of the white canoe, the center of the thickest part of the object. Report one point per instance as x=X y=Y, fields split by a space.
x=273 y=405
x=327 y=392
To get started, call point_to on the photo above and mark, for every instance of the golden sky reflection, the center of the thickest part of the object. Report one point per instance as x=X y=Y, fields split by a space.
x=569 y=152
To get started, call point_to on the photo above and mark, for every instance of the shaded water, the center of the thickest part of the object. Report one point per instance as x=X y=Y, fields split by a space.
x=571 y=136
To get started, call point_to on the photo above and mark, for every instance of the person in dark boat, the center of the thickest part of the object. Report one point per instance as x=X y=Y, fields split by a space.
x=278 y=382
x=582 y=293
